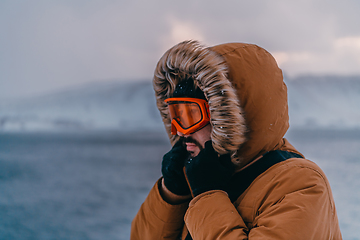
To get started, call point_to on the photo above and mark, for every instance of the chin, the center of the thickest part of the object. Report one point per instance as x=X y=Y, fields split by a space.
x=193 y=153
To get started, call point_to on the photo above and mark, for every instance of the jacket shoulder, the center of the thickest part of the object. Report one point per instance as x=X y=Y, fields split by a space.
x=288 y=179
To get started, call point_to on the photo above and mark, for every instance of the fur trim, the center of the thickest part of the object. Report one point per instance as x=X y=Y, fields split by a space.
x=209 y=71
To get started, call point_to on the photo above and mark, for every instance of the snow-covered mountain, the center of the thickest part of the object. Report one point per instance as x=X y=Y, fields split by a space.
x=324 y=102
x=123 y=106
x=314 y=102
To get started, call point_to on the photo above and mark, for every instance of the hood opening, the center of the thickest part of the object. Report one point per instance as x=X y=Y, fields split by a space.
x=244 y=88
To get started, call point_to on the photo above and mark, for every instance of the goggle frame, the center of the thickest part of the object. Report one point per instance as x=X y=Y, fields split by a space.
x=205 y=115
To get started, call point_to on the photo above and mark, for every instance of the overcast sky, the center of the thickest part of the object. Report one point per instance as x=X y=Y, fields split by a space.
x=48 y=45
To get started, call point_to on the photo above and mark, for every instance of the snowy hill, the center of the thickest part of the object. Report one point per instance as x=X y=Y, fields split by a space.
x=324 y=102
x=122 y=106
x=314 y=102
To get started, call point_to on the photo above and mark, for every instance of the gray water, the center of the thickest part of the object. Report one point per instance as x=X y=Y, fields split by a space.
x=90 y=185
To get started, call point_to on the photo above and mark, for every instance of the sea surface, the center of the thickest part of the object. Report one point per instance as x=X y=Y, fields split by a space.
x=90 y=185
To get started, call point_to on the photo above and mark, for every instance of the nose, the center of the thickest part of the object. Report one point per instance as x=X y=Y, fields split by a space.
x=179 y=134
x=182 y=135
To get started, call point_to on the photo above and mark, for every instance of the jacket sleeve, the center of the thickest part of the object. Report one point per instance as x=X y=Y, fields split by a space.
x=211 y=215
x=291 y=205
x=158 y=219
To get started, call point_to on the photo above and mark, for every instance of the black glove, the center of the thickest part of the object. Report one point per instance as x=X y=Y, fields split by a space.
x=207 y=171
x=172 y=169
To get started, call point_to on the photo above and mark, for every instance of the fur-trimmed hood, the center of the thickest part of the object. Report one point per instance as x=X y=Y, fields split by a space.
x=244 y=88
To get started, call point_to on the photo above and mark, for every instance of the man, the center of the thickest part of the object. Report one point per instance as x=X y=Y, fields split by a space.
x=230 y=173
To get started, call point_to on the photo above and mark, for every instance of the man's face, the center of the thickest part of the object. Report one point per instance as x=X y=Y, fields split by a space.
x=195 y=142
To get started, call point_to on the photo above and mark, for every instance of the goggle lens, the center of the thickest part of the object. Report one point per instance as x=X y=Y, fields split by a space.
x=187 y=114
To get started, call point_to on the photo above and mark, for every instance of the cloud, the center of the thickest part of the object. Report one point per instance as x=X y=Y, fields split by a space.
x=46 y=45
x=347 y=55
x=347 y=43
x=343 y=58
x=180 y=30
x=50 y=45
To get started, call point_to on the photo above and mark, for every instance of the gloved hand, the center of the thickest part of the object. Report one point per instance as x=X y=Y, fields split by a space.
x=172 y=169
x=207 y=171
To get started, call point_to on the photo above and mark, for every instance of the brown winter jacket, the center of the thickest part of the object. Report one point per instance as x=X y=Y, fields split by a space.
x=248 y=106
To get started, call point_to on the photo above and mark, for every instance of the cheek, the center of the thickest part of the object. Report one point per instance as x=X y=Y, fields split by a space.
x=204 y=139
x=204 y=135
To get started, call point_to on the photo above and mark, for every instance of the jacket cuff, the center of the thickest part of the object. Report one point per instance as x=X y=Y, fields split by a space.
x=164 y=211
x=204 y=194
x=211 y=215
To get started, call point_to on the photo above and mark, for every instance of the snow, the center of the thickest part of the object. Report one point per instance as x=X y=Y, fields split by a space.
x=324 y=102
x=327 y=102
x=101 y=106
x=324 y=126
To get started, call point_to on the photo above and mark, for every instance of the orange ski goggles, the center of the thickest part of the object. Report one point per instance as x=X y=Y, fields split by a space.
x=188 y=114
